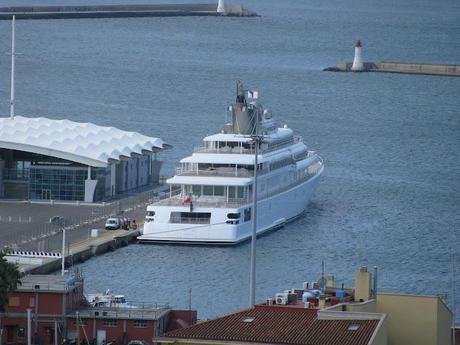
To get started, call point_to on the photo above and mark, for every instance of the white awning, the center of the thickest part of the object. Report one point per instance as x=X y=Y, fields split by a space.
x=211 y=181
x=84 y=143
x=244 y=159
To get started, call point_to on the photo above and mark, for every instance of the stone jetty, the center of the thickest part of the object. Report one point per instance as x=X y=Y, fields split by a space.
x=401 y=67
x=109 y=11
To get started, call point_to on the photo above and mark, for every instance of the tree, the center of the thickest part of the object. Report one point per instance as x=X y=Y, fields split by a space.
x=9 y=279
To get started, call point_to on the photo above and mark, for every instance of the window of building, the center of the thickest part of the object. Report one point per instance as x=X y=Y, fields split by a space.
x=110 y=323
x=83 y=322
x=140 y=323
x=13 y=302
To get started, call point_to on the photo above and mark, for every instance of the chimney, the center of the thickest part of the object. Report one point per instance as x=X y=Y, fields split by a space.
x=322 y=302
x=375 y=282
x=330 y=281
x=363 y=284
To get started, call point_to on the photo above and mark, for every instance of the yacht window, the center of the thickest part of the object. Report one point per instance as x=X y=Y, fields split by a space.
x=190 y=217
x=231 y=192
x=233 y=216
x=150 y=213
x=207 y=190
x=196 y=190
x=247 y=214
x=204 y=166
x=240 y=192
x=219 y=190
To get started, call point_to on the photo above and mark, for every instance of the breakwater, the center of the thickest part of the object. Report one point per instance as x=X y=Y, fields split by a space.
x=78 y=252
x=109 y=11
x=402 y=67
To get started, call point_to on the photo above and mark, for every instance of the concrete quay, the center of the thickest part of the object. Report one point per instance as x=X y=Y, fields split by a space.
x=402 y=67
x=77 y=252
x=110 y=11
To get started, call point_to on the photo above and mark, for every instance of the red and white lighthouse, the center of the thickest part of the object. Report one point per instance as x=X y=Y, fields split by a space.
x=357 y=62
x=220 y=7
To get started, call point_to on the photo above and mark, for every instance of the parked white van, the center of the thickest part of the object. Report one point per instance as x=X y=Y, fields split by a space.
x=112 y=224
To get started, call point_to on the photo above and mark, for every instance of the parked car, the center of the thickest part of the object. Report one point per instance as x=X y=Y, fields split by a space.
x=113 y=224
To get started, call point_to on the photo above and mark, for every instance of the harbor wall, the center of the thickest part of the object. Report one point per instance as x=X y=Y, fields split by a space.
x=82 y=253
x=418 y=68
x=108 y=11
x=402 y=67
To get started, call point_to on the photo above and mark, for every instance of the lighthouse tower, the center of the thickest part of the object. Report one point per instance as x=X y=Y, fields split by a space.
x=357 y=62
x=221 y=7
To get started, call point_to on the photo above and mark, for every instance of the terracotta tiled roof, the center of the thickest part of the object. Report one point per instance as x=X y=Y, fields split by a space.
x=266 y=324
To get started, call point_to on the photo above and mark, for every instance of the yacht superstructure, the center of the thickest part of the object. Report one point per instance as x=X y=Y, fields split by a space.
x=210 y=199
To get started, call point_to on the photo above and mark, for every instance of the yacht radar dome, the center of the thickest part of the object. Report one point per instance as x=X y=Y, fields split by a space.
x=357 y=62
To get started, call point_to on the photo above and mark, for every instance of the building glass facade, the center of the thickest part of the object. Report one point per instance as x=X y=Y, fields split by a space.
x=57 y=183
x=26 y=175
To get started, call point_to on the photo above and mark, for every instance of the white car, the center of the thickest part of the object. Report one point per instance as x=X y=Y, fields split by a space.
x=112 y=224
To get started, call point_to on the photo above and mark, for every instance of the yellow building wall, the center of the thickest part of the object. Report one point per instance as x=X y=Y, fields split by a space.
x=381 y=337
x=444 y=331
x=414 y=319
x=363 y=282
x=365 y=307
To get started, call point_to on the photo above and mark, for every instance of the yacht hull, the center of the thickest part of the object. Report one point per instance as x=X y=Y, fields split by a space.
x=272 y=213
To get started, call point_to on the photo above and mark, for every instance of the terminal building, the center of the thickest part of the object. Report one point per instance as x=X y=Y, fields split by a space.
x=47 y=159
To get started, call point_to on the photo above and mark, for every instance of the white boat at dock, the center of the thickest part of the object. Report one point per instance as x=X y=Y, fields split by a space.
x=210 y=200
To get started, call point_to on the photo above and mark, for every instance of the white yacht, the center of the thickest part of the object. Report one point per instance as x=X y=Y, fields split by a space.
x=210 y=199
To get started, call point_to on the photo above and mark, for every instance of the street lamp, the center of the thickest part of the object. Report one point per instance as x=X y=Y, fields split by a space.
x=60 y=222
x=256 y=139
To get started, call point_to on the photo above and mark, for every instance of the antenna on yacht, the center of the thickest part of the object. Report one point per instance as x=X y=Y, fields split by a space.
x=13 y=52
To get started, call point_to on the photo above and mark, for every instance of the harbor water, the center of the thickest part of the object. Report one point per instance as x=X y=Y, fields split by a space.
x=390 y=193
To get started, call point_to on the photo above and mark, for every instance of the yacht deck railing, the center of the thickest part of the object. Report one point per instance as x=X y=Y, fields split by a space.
x=210 y=201
x=223 y=171
x=265 y=147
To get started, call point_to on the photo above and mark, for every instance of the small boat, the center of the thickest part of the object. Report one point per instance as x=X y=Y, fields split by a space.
x=107 y=299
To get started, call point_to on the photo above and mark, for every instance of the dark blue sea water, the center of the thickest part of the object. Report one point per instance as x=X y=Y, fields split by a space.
x=390 y=195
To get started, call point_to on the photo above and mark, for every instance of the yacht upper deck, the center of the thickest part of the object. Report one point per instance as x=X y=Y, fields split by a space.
x=232 y=146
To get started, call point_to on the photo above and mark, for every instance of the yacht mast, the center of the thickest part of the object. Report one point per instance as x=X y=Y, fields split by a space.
x=13 y=52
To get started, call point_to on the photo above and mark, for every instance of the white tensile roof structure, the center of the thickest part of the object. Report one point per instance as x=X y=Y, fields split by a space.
x=84 y=143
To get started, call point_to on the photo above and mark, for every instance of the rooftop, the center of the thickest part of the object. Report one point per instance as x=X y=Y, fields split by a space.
x=273 y=325
x=48 y=282
x=147 y=313
x=84 y=143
